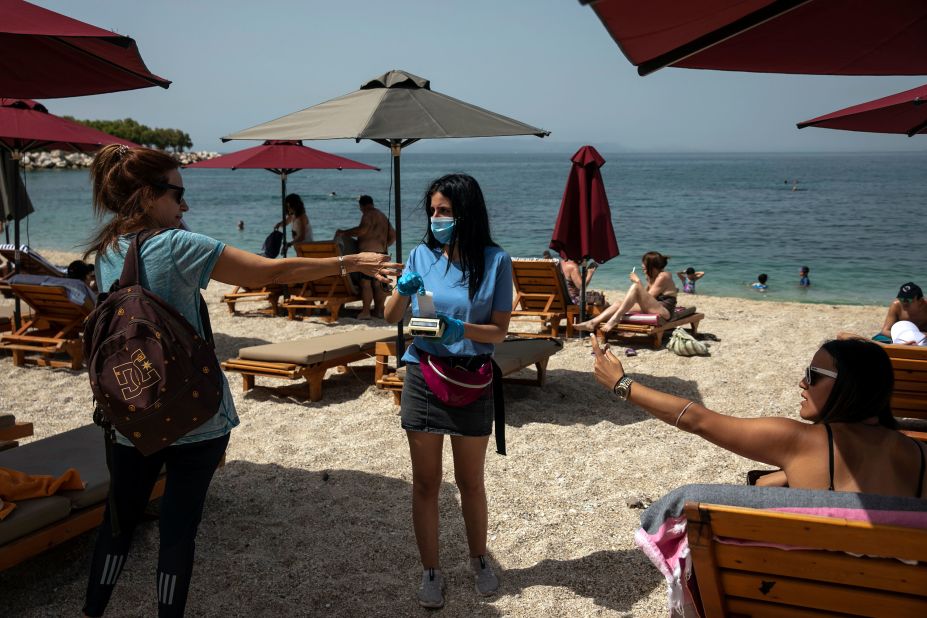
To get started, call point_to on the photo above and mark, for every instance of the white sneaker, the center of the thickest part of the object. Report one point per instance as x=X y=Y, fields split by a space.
x=486 y=581
x=431 y=592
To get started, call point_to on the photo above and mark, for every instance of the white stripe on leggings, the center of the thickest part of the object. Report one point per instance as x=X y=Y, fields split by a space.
x=105 y=569
x=166 y=584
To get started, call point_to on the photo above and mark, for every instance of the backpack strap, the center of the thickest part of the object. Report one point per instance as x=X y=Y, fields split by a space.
x=129 y=274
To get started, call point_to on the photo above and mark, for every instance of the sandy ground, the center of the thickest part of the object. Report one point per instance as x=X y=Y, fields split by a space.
x=311 y=514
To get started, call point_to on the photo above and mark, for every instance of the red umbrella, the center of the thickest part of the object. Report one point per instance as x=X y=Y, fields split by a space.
x=44 y=54
x=904 y=112
x=282 y=157
x=584 y=225
x=818 y=37
x=26 y=125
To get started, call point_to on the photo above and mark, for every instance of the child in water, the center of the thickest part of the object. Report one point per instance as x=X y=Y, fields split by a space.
x=803 y=280
x=688 y=277
x=760 y=283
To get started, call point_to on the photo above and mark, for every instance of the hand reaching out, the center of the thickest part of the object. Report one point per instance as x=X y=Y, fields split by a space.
x=608 y=369
x=372 y=264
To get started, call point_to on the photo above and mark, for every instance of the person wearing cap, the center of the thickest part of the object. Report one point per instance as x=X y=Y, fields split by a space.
x=909 y=306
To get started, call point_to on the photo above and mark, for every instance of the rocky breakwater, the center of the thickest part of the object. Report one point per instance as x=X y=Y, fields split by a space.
x=59 y=159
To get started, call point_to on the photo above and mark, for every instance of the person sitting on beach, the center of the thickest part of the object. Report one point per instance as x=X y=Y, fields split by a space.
x=906 y=317
x=374 y=233
x=297 y=219
x=848 y=442
x=803 y=279
x=574 y=279
x=82 y=271
x=760 y=283
x=688 y=277
x=658 y=297
x=471 y=279
x=140 y=189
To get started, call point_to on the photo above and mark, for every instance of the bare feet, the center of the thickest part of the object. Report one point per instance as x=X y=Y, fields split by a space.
x=363 y=316
x=608 y=326
x=587 y=326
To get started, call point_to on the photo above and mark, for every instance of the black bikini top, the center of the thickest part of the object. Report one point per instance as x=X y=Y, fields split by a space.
x=830 y=454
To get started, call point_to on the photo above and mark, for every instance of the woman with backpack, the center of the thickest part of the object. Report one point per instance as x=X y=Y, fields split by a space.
x=470 y=278
x=141 y=189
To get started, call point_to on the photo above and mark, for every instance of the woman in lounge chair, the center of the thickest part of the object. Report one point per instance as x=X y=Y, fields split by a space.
x=297 y=219
x=141 y=189
x=658 y=297
x=849 y=441
x=471 y=280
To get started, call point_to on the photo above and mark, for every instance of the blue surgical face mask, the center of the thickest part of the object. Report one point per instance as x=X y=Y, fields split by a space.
x=442 y=228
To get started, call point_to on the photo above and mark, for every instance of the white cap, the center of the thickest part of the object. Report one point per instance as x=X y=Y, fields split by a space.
x=906 y=332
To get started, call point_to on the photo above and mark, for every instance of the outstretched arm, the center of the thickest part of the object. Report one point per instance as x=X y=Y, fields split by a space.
x=237 y=267
x=891 y=317
x=769 y=440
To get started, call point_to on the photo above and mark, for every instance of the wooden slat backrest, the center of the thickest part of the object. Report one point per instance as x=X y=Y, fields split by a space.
x=762 y=581
x=29 y=264
x=51 y=303
x=541 y=283
x=909 y=399
x=333 y=286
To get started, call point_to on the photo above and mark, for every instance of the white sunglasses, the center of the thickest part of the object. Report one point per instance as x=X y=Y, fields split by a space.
x=810 y=370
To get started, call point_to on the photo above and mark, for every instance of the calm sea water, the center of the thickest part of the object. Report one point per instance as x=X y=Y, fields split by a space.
x=857 y=220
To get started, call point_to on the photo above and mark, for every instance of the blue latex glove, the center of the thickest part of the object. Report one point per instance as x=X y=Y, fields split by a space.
x=410 y=283
x=453 y=329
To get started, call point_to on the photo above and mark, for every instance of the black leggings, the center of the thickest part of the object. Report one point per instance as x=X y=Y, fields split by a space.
x=189 y=471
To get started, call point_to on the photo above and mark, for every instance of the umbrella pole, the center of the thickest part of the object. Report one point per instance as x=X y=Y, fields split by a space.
x=582 y=296
x=17 y=309
x=395 y=149
x=283 y=207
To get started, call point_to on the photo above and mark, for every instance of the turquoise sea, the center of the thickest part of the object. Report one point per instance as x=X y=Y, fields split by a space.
x=857 y=220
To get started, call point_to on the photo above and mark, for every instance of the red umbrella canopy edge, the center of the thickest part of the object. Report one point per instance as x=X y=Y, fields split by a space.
x=903 y=112
x=584 y=224
x=284 y=156
x=815 y=37
x=44 y=54
x=26 y=125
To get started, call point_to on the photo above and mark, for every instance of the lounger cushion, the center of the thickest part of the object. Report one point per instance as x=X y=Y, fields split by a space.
x=511 y=355
x=77 y=291
x=318 y=349
x=655 y=319
x=31 y=515
x=82 y=449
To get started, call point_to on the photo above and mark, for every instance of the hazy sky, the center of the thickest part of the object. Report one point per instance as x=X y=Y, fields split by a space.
x=550 y=63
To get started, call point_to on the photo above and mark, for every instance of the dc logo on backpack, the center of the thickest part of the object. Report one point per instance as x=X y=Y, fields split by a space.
x=136 y=375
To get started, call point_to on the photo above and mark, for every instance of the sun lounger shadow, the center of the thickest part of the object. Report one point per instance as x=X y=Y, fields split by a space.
x=592 y=576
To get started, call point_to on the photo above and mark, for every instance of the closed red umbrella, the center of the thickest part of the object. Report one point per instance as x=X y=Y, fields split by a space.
x=817 y=37
x=44 y=54
x=904 y=112
x=584 y=225
x=282 y=157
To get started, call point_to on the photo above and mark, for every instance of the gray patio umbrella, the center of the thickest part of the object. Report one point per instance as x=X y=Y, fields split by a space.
x=395 y=109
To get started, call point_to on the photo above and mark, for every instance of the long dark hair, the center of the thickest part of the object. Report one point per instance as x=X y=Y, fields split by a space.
x=654 y=262
x=471 y=233
x=123 y=181
x=863 y=386
x=295 y=203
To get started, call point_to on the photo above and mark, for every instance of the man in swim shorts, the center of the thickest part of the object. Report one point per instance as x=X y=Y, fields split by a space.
x=374 y=233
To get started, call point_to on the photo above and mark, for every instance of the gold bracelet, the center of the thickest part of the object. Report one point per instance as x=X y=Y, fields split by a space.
x=676 y=424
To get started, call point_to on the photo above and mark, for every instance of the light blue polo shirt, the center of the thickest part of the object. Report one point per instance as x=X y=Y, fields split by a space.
x=175 y=265
x=452 y=296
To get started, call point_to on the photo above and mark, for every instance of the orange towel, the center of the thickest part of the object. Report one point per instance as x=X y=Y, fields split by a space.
x=15 y=485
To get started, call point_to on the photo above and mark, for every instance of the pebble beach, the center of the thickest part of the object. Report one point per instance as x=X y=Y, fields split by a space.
x=311 y=513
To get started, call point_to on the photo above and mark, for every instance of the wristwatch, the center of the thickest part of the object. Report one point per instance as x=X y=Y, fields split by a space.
x=623 y=388
x=344 y=271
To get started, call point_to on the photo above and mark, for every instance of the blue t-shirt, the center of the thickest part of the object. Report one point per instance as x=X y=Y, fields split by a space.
x=175 y=265
x=452 y=297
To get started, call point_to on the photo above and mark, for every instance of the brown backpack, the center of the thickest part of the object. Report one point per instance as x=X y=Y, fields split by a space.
x=153 y=377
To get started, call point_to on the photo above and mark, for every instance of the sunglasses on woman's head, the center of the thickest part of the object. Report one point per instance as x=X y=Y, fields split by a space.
x=166 y=185
x=811 y=370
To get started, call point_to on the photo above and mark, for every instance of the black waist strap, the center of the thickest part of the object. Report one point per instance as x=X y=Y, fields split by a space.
x=830 y=454
x=499 y=407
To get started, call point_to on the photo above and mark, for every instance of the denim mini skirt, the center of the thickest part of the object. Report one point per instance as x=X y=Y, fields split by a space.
x=422 y=411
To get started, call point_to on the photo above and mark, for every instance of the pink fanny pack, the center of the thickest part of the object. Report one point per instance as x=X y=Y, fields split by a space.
x=454 y=386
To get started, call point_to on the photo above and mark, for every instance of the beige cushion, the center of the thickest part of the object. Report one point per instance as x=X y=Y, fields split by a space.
x=82 y=449
x=318 y=349
x=514 y=354
x=31 y=515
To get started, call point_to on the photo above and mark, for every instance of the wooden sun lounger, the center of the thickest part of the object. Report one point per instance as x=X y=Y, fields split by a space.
x=834 y=573
x=328 y=294
x=30 y=262
x=55 y=324
x=541 y=293
x=307 y=358
x=512 y=355
x=909 y=399
x=653 y=333
x=12 y=430
x=270 y=294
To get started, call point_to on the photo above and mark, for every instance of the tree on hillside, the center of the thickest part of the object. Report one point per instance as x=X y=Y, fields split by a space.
x=132 y=130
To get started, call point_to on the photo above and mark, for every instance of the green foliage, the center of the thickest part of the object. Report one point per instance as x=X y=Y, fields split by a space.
x=133 y=131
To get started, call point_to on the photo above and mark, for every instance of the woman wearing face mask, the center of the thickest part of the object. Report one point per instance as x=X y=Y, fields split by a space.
x=135 y=190
x=848 y=442
x=470 y=278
